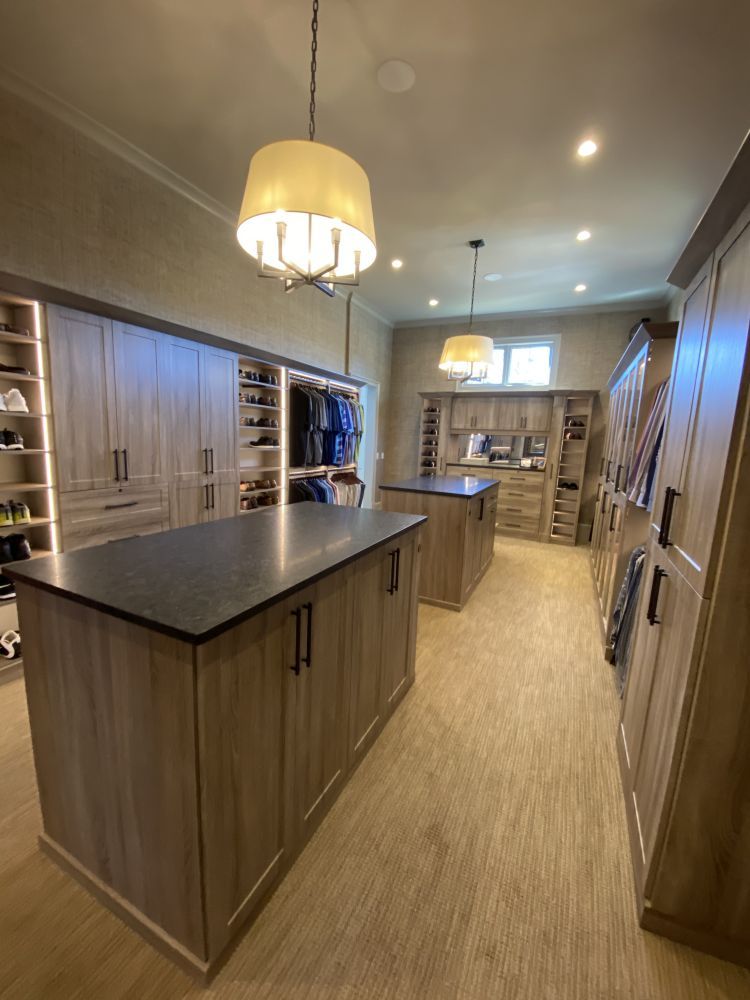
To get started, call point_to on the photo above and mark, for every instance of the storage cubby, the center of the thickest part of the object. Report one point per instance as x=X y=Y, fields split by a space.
x=571 y=467
x=263 y=396
x=430 y=461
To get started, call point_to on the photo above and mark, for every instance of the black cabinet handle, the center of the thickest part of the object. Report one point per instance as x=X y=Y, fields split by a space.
x=609 y=468
x=212 y=460
x=116 y=453
x=307 y=660
x=213 y=497
x=612 y=510
x=298 y=615
x=601 y=467
x=481 y=508
x=617 y=477
x=392 y=581
x=208 y=506
x=117 y=506
x=205 y=460
x=398 y=567
x=666 y=516
x=125 y=461
x=653 y=599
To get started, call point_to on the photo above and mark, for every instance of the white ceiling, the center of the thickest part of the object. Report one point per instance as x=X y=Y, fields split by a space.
x=483 y=146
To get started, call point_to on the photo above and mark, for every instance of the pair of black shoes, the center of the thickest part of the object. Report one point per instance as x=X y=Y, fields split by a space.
x=265 y=442
x=568 y=486
x=10 y=441
x=13 y=548
x=15 y=369
x=249 y=376
x=432 y=409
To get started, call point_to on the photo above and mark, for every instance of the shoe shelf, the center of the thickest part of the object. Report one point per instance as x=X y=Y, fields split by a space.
x=571 y=466
x=319 y=470
x=259 y=406
x=430 y=450
x=250 y=448
x=266 y=489
x=28 y=476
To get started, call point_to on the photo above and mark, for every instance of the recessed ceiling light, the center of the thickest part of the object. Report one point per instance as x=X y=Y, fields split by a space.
x=580 y=288
x=397 y=264
x=492 y=276
x=587 y=148
x=434 y=302
x=583 y=236
x=396 y=76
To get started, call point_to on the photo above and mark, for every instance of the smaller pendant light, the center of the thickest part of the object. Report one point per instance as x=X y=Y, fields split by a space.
x=468 y=356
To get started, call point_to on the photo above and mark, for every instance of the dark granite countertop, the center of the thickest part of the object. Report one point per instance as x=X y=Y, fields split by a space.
x=447 y=486
x=194 y=583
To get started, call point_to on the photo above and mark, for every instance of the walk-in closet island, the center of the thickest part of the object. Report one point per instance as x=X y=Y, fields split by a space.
x=459 y=536
x=199 y=697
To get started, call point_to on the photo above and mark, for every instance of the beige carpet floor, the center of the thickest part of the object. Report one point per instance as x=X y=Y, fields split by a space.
x=479 y=852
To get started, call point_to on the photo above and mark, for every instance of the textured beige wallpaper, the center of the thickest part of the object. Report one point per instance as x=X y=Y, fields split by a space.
x=590 y=346
x=76 y=216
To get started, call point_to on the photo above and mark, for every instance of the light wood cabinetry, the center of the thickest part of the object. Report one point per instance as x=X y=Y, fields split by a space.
x=222 y=415
x=184 y=409
x=179 y=781
x=501 y=413
x=98 y=516
x=683 y=738
x=456 y=548
x=82 y=365
x=619 y=523
x=138 y=383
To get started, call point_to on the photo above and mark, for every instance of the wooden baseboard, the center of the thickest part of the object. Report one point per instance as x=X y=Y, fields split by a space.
x=128 y=913
x=440 y=604
x=11 y=671
x=712 y=944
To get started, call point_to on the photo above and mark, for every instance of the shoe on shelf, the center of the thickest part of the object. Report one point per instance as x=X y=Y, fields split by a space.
x=19 y=547
x=9 y=328
x=15 y=402
x=10 y=645
x=247 y=421
x=11 y=440
x=244 y=503
x=7 y=588
x=14 y=369
x=6 y=513
x=19 y=512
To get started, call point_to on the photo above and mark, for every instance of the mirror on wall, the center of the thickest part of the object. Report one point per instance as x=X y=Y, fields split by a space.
x=514 y=450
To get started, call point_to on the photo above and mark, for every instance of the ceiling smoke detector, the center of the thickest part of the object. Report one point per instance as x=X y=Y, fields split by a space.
x=396 y=76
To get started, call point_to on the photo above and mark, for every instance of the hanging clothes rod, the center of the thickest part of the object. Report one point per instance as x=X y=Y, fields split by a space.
x=322 y=383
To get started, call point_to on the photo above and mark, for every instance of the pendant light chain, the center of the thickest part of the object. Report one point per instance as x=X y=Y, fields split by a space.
x=313 y=69
x=473 y=288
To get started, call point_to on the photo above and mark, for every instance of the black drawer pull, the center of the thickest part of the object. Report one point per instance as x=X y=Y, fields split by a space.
x=307 y=660
x=118 y=506
x=666 y=516
x=117 y=465
x=125 y=460
x=298 y=615
x=613 y=508
x=392 y=582
x=653 y=599
x=514 y=510
x=205 y=460
x=617 y=478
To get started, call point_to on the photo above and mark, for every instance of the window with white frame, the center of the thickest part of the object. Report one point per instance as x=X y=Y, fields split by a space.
x=520 y=363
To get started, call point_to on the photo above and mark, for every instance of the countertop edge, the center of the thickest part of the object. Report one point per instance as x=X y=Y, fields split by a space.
x=200 y=638
x=488 y=485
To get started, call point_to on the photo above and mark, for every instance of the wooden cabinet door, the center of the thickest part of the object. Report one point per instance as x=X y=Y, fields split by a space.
x=686 y=369
x=316 y=624
x=137 y=381
x=244 y=725
x=485 y=413
x=189 y=503
x=400 y=622
x=506 y=413
x=182 y=392
x=462 y=415
x=368 y=593
x=489 y=516
x=223 y=500
x=536 y=413
x=681 y=617
x=222 y=414
x=637 y=694
x=82 y=377
x=713 y=442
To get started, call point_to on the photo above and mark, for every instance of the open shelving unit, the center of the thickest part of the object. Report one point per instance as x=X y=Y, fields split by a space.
x=27 y=475
x=262 y=462
x=571 y=467
x=430 y=458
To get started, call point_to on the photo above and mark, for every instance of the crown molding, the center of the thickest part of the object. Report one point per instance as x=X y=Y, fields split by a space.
x=112 y=141
x=612 y=307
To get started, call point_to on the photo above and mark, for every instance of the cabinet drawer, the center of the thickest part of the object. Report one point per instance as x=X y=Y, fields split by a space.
x=511 y=503
x=511 y=479
x=517 y=524
x=98 y=516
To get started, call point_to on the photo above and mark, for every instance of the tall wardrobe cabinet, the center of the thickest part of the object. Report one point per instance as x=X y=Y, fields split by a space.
x=684 y=736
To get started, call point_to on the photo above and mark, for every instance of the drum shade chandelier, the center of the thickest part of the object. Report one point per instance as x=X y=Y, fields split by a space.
x=306 y=214
x=468 y=356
